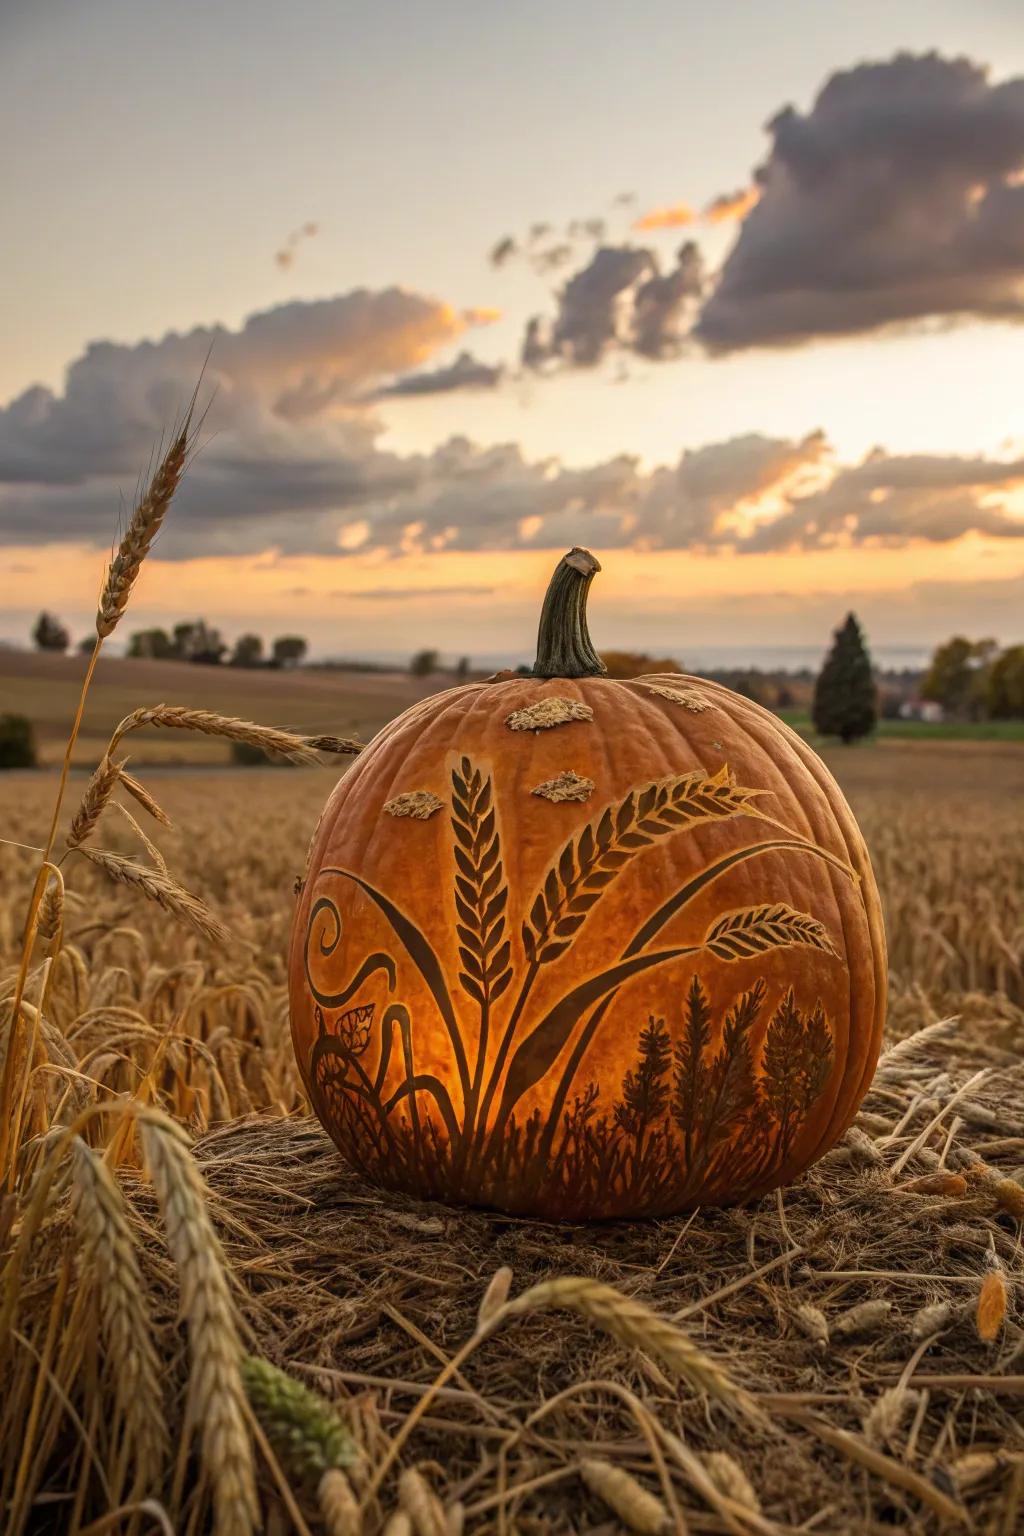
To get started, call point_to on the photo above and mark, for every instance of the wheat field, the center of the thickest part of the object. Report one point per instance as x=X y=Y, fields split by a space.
x=209 y=1324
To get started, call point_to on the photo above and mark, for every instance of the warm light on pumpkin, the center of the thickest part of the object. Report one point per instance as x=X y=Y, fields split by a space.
x=587 y=948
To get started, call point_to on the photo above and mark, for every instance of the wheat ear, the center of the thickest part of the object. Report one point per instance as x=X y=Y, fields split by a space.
x=217 y=1392
x=140 y=793
x=143 y=527
x=729 y=1478
x=339 y=1507
x=157 y=885
x=176 y=717
x=632 y=1323
x=638 y=1509
x=51 y=910
x=343 y=745
x=98 y=791
x=624 y=1318
x=302 y=1427
x=495 y=1296
x=112 y=1267
x=421 y=1504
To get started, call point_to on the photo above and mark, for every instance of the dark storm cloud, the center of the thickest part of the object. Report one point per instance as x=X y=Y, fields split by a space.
x=586 y=229
x=661 y=305
x=619 y=300
x=897 y=197
x=466 y=372
x=589 y=316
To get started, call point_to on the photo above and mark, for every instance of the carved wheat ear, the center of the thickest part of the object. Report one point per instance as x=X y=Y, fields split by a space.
x=751 y=931
x=589 y=863
x=481 y=893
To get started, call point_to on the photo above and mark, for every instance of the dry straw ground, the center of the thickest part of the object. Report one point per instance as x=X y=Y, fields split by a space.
x=208 y=1323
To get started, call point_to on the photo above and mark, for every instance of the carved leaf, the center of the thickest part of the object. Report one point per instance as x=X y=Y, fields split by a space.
x=753 y=930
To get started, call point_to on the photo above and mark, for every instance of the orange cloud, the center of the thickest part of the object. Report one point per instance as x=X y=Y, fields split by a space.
x=481 y=315
x=731 y=205
x=676 y=216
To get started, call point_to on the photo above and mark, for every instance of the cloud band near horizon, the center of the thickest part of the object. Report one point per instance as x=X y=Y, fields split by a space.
x=293 y=462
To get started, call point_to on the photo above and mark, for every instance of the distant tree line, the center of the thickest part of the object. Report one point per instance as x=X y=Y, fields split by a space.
x=199 y=642
x=426 y=662
x=193 y=640
x=977 y=679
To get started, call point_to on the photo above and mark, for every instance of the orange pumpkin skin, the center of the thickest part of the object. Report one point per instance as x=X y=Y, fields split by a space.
x=655 y=983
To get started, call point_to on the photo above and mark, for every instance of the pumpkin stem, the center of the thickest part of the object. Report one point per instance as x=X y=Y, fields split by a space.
x=563 y=640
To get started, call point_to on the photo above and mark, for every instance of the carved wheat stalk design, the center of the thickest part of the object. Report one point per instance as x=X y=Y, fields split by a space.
x=588 y=864
x=481 y=899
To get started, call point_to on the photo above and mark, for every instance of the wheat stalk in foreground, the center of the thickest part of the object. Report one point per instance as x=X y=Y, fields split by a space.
x=158 y=886
x=302 y=1427
x=101 y=786
x=623 y=1317
x=636 y=1507
x=216 y=1390
x=298 y=749
x=143 y=527
x=634 y=1324
x=111 y=1265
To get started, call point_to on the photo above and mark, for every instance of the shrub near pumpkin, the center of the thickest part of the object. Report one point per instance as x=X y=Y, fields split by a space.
x=585 y=948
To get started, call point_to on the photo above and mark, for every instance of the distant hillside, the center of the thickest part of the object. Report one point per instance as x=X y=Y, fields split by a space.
x=317 y=700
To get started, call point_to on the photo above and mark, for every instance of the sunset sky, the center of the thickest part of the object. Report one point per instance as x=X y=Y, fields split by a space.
x=732 y=295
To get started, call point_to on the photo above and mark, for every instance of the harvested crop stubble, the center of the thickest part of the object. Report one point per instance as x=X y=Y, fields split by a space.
x=364 y=1297
x=356 y=1301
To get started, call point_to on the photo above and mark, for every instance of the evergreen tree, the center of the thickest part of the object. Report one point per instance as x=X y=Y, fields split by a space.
x=690 y=1078
x=49 y=633
x=845 y=703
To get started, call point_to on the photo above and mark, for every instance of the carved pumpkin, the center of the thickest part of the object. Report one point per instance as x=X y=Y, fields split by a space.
x=586 y=948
